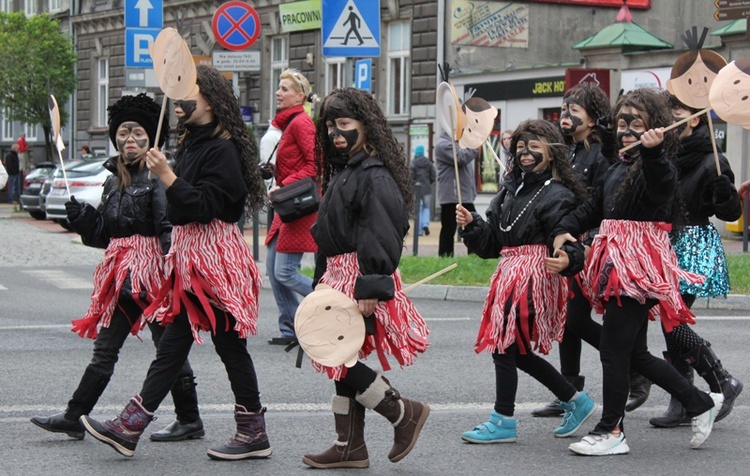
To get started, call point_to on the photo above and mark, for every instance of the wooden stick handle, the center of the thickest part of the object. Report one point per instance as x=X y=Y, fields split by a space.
x=158 y=127
x=713 y=143
x=668 y=128
x=430 y=277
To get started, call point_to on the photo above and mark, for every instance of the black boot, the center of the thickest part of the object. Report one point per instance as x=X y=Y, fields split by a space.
x=675 y=414
x=84 y=398
x=250 y=441
x=640 y=387
x=553 y=408
x=123 y=432
x=188 y=425
x=703 y=359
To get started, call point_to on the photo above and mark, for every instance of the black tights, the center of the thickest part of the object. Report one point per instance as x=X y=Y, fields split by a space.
x=578 y=326
x=357 y=380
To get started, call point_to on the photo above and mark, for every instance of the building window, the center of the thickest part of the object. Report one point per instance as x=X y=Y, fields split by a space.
x=54 y=5
x=279 y=62
x=29 y=7
x=399 y=47
x=102 y=93
x=5 y=5
x=30 y=131
x=7 y=125
x=335 y=73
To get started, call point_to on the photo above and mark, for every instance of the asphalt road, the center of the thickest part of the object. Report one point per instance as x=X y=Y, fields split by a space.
x=45 y=282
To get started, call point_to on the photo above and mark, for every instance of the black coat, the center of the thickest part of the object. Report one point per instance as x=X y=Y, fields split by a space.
x=423 y=174
x=650 y=198
x=532 y=226
x=11 y=163
x=590 y=164
x=697 y=174
x=139 y=209
x=362 y=211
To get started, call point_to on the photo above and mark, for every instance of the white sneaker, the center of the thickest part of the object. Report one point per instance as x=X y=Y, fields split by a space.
x=601 y=445
x=703 y=423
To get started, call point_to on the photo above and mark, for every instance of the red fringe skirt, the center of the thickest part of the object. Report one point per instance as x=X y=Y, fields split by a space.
x=636 y=259
x=137 y=255
x=521 y=273
x=213 y=263
x=399 y=328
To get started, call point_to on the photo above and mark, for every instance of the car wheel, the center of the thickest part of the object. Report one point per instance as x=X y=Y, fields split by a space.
x=38 y=215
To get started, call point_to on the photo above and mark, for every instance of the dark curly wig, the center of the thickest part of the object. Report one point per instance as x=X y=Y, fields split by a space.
x=217 y=92
x=379 y=139
x=654 y=104
x=596 y=103
x=550 y=135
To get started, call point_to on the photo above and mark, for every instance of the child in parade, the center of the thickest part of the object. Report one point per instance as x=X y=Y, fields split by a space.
x=525 y=309
x=361 y=225
x=212 y=281
x=131 y=224
x=699 y=250
x=633 y=270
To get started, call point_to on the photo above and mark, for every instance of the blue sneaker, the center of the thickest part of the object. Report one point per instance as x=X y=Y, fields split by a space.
x=577 y=411
x=498 y=429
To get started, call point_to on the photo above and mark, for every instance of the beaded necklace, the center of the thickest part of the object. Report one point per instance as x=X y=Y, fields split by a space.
x=518 y=217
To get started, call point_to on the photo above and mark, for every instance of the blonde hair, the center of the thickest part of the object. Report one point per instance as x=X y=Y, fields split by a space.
x=301 y=84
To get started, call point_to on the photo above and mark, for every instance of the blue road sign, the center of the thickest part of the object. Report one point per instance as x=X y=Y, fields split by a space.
x=137 y=43
x=363 y=75
x=351 y=28
x=144 y=14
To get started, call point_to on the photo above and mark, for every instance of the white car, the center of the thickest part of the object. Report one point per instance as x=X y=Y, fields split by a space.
x=85 y=179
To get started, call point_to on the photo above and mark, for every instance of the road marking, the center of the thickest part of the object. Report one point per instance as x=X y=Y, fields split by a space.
x=34 y=328
x=3 y=288
x=60 y=279
x=447 y=318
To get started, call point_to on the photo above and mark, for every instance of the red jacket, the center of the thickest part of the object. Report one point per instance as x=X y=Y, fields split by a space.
x=295 y=160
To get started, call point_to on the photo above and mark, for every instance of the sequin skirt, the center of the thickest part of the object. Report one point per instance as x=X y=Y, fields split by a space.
x=700 y=251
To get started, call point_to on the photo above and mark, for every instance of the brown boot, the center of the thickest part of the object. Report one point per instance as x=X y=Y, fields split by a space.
x=250 y=441
x=349 y=450
x=406 y=416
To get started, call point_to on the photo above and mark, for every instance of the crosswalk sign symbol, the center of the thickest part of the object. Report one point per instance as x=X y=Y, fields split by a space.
x=351 y=28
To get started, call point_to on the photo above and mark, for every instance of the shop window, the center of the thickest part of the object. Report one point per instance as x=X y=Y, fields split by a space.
x=551 y=114
x=490 y=171
x=399 y=48
x=102 y=91
x=279 y=62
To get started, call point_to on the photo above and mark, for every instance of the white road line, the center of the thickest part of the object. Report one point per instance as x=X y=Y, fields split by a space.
x=60 y=279
x=3 y=288
x=447 y=319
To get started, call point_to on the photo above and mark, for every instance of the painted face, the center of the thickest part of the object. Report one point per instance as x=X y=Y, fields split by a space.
x=346 y=134
x=679 y=113
x=531 y=154
x=574 y=120
x=132 y=140
x=193 y=110
x=631 y=124
x=287 y=96
x=478 y=125
x=730 y=93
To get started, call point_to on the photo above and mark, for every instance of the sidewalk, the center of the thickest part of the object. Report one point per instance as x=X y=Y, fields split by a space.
x=428 y=246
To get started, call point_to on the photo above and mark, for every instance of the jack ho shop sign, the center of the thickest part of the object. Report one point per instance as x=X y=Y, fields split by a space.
x=300 y=16
x=520 y=88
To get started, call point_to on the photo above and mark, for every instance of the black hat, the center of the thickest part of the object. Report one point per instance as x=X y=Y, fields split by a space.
x=141 y=109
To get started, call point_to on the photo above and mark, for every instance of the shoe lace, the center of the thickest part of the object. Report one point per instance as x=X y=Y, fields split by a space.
x=568 y=413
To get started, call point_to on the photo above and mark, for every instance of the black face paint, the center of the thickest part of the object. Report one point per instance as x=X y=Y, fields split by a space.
x=350 y=137
x=188 y=108
x=538 y=157
x=575 y=120
x=681 y=128
x=629 y=118
x=141 y=143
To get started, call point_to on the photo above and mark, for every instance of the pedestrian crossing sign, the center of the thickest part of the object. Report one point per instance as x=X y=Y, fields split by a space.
x=351 y=28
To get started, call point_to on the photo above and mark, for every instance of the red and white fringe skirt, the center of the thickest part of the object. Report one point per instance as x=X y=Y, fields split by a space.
x=519 y=273
x=399 y=328
x=214 y=263
x=138 y=255
x=636 y=259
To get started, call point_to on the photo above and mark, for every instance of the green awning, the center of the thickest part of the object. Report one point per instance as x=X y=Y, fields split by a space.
x=630 y=36
x=732 y=28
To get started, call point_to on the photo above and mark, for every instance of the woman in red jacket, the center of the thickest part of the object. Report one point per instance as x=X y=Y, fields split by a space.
x=287 y=242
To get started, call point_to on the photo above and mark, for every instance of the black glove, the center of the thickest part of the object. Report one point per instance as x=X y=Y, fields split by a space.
x=266 y=171
x=723 y=189
x=606 y=130
x=74 y=209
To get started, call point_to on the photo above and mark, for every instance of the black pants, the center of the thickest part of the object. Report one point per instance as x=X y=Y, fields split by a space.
x=624 y=345
x=578 y=327
x=357 y=379
x=173 y=351
x=506 y=377
x=107 y=347
x=448 y=226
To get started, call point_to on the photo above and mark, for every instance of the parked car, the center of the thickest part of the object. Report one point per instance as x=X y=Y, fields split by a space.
x=85 y=179
x=32 y=188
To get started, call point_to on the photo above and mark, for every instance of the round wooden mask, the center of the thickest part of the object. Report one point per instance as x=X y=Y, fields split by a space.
x=449 y=113
x=173 y=65
x=54 y=116
x=730 y=93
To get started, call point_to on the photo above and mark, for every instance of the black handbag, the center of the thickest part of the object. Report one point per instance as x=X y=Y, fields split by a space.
x=296 y=200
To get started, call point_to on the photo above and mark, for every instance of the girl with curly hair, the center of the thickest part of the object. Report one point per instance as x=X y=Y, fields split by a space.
x=633 y=271
x=525 y=309
x=131 y=224
x=360 y=229
x=212 y=281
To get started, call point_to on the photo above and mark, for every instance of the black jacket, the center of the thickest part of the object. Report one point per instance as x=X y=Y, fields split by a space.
x=11 y=163
x=590 y=164
x=210 y=183
x=533 y=226
x=697 y=174
x=139 y=209
x=363 y=210
x=651 y=197
x=423 y=174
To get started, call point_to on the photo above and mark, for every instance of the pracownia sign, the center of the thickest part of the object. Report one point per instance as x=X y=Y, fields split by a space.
x=300 y=16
